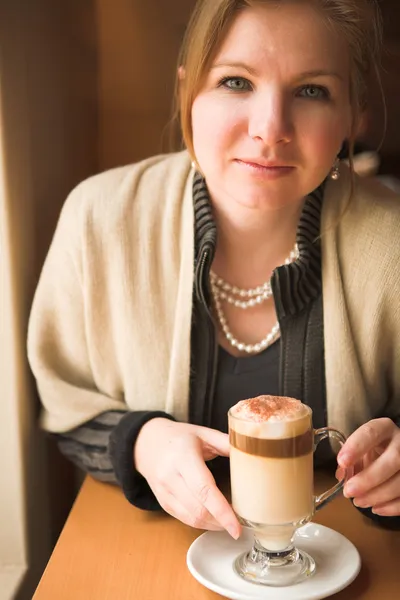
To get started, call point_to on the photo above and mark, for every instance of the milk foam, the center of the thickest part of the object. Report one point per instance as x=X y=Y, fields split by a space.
x=270 y=417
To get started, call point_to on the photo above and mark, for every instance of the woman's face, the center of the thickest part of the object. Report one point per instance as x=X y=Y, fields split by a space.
x=277 y=94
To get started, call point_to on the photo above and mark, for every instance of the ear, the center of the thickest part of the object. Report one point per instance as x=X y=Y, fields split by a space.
x=181 y=73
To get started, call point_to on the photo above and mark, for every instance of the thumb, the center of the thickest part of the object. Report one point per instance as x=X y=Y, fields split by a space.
x=215 y=440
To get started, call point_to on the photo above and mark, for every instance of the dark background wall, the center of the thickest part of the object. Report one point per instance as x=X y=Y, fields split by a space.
x=390 y=152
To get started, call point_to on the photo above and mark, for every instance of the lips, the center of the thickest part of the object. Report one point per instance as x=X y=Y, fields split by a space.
x=262 y=170
x=261 y=163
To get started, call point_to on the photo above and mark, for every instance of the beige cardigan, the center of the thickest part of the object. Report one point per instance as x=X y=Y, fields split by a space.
x=111 y=318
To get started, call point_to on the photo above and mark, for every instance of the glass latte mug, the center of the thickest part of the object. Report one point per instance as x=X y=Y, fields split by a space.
x=272 y=484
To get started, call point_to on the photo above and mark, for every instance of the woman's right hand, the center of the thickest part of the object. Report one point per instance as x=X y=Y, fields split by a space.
x=171 y=456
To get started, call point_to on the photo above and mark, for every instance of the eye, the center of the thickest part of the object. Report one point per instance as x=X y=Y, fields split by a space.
x=314 y=92
x=236 y=84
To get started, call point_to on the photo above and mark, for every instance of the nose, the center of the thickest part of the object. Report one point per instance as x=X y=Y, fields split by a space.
x=270 y=120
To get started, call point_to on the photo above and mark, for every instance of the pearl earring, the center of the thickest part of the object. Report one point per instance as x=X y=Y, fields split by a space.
x=335 y=172
x=194 y=166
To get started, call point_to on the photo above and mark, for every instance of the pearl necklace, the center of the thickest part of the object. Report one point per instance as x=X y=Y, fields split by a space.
x=224 y=291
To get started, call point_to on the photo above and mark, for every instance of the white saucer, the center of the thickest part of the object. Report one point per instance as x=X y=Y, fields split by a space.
x=210 y=560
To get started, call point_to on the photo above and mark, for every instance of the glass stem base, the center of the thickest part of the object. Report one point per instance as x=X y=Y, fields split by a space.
x=276 y=569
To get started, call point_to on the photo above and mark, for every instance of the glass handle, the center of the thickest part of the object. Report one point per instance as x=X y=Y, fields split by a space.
x=319 y=435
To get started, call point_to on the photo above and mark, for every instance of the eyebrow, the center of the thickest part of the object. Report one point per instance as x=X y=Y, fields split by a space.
x=301 y=76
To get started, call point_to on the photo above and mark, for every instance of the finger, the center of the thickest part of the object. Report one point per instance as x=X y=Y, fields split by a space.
x=177 y=500
x=371 y=457
x=356 y=468
x=171 y=505
x=380 y=495
x=351 y=471
x=201 y=518
x=348 y=473
x=201 y=483
x=377 y=473
x=216 y=441
x=366 y=438
x=390 y=509
x=181 y=504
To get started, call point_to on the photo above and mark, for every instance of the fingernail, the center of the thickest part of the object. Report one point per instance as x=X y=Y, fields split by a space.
x=381 y=512
x=340 y=473
x=343 y=459
x=233 y=531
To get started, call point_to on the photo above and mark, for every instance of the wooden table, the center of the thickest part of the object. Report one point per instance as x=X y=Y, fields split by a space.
x=109 y=550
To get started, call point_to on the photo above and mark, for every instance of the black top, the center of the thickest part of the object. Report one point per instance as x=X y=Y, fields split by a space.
x=243 y=377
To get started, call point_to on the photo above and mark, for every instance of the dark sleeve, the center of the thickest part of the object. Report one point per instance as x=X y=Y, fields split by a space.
x=103 y=447
x=386 y=522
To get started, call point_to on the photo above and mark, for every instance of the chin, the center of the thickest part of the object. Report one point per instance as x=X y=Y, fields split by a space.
x=267 y=198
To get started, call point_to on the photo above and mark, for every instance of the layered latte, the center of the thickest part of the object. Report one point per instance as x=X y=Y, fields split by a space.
x=271 y=461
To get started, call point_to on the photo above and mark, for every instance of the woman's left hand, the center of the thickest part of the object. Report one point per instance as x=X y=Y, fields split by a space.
x=372 y=456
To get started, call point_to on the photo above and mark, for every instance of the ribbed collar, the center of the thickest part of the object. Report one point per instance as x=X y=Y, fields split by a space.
x=295 y=285
x=204 y=223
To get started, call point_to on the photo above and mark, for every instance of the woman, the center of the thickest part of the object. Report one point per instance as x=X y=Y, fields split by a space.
x=295 y=288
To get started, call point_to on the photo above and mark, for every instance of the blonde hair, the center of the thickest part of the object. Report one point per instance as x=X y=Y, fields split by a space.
x=359 y=21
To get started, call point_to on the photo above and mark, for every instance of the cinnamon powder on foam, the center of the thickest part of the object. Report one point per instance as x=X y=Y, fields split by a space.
x=269 y=408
